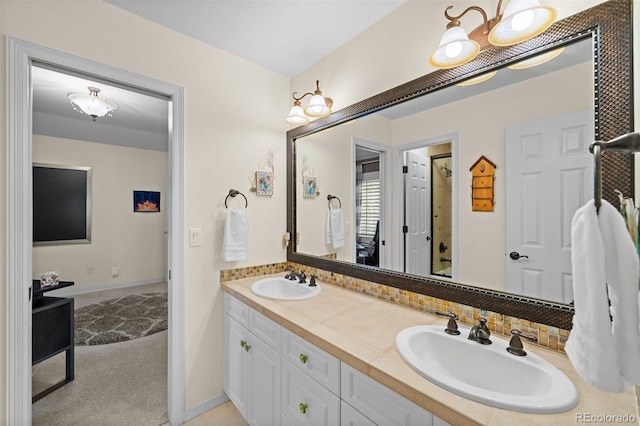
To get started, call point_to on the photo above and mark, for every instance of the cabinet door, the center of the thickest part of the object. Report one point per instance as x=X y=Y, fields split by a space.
x=305 y=401
x=264 y=389
x=235 y=376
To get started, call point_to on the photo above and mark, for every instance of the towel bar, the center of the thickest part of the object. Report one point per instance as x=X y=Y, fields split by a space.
x=627 y=144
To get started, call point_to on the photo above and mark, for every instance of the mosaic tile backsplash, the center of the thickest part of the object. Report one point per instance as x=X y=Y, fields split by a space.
x=550 y=337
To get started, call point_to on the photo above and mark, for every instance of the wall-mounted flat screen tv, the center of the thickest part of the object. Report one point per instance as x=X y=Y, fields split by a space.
x=61 y=204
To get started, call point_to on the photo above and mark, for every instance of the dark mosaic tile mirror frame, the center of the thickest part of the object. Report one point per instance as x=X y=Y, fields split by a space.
x=609 y=25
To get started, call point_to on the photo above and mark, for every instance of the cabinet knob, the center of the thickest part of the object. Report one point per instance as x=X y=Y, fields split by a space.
x=303 y=408
x=247 y=347
x=303 y=358
x=242 y=343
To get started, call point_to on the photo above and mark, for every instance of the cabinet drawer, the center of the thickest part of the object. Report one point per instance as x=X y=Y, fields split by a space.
x=349 y=416
x=312 y=360
x=304 y=401
x=236 y=309
x=266 y=329
x=379 y=403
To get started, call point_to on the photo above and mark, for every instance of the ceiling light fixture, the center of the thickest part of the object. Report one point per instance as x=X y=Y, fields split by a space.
x=91 y=104
x=319 y=106
x=520 y=21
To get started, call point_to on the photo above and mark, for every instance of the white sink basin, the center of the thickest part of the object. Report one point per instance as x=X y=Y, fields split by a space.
x=486 y=373
x=283 y=289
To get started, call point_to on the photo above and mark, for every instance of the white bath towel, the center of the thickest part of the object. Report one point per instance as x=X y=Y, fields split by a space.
x=335 y=228
x=235 y=243
x=599 y=353
x=622 y=272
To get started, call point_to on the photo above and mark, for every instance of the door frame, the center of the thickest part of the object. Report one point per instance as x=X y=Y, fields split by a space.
x=385 y=184
x=399 y=201
x=20 y=56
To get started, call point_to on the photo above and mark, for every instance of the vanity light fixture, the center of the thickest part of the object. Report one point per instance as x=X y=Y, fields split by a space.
x=536 y=60
x=319 y=106
x=480 y=79
x=91 y=104
x=520 y=21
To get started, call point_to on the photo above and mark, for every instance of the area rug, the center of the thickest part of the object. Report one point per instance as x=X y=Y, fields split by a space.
x=121 y=319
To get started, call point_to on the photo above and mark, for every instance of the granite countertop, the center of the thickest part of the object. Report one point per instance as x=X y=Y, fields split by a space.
x=361 y=330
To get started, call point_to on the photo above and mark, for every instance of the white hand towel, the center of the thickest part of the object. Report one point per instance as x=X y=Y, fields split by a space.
x=334 y=234
x=235 y=243
x=606 y=354
x=590 y=345
x=337 y=228
x=622 y=272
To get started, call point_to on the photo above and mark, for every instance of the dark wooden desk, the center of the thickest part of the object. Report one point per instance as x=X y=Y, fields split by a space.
x=52 y=333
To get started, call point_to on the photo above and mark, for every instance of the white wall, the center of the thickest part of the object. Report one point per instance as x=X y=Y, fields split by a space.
x=233 y=114
x=135 y=242
x=330 y=156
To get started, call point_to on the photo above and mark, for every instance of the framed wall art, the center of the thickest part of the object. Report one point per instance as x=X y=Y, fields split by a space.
x=146 y=202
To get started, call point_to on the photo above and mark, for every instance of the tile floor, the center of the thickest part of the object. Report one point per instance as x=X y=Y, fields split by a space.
x=223 y=415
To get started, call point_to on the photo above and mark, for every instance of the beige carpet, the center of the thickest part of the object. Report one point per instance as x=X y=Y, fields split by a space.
x=117 y=384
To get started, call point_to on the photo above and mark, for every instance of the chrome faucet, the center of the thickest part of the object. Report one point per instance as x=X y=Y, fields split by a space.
x=480 y=333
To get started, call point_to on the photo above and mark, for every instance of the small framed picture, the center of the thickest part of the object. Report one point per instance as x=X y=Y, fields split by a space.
x=146 y=202
x=310 y=187
x=264 y=183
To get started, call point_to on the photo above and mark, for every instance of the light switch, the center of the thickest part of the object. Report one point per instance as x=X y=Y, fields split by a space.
x=195 y=235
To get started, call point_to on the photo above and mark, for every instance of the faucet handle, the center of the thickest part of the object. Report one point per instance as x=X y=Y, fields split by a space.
x=312 y=281
x=452 y=325
x=482 y=332
x=515 y=344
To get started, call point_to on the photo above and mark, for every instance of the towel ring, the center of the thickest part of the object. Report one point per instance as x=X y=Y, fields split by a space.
x=232 y=194
x=333 y=197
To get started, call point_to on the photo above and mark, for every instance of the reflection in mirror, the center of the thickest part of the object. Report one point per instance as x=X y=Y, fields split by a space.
x=437 y=237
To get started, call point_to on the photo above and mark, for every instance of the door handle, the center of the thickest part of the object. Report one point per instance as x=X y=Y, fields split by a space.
x=428 y=238
x=515 y=255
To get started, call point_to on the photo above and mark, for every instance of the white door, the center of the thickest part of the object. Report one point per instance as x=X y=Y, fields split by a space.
x=549 y=175
x=417 y=214
x=235 y=370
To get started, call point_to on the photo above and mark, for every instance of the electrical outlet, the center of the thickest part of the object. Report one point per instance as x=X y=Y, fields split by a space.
x=115 y=270
x=89 y=269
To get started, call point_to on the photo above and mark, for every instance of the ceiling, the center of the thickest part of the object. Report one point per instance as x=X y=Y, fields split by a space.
x=141 y=120
x=271 y=33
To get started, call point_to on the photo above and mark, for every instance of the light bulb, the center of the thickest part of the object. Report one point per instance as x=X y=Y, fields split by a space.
x=522 y=20
x=453 y=49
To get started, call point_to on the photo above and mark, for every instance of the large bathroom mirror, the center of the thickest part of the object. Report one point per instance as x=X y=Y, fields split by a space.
x=359 y=155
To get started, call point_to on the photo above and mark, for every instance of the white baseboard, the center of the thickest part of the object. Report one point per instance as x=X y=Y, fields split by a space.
x=205 y=406
x=71 y=291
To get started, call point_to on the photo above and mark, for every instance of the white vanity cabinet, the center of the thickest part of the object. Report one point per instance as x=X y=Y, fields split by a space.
x=310 y=383
x=379 y=404
x=275 y=377
x=251 y=364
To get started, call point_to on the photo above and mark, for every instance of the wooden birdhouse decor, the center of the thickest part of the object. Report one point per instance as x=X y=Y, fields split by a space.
x=482 y=185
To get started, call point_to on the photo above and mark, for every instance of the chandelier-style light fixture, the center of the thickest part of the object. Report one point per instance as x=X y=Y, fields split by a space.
x=91 y=104
x=520 y=21
x=319 y=106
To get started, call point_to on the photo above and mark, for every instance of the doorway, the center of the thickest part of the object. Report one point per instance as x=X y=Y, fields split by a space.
x=21 y=55
x=372 y=213
x=427 y=212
